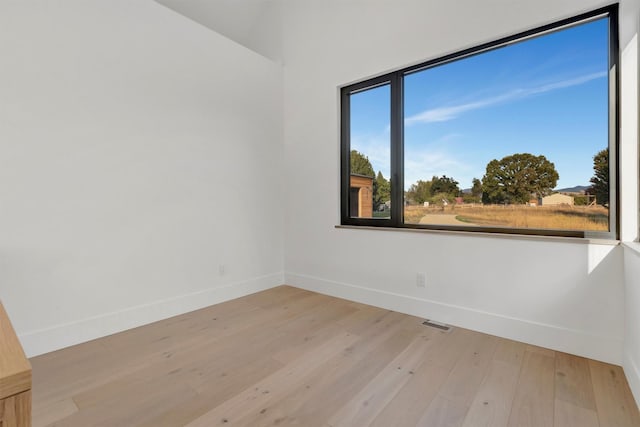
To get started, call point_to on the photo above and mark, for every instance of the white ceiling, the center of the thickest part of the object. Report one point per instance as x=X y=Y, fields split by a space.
x=256 y=24
x=238 y=20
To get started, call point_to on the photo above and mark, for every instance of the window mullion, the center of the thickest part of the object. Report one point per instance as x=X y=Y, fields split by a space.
x=344 y=157
x=397 y=152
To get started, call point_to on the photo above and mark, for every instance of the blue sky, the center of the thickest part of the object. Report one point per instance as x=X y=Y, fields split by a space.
x=547 y=95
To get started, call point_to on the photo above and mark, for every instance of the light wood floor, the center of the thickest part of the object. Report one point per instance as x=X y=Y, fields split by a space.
x=292 y=357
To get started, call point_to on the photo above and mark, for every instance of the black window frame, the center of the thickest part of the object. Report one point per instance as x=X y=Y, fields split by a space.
x=395 y=80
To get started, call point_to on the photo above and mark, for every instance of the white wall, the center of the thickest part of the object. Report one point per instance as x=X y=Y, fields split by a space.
x=631 y=362
x=138 y=152
x=567 y=296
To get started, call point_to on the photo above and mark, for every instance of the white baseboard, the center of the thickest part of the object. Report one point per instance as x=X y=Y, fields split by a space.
x=604 y=348
x=632 y=373
x=68 y=334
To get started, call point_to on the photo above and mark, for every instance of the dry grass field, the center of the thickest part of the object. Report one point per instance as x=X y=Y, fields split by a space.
x=593 y=218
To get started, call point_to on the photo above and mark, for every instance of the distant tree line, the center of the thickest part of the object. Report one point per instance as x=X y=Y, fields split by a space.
x=514 y=179
x=437 y=190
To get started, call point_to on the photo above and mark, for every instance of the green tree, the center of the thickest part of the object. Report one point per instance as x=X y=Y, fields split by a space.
x=600 y=179
x=440 y=198
x=446 y=185
x=361 y=165
x=420 y=192
x=475 y=193
x=476 y=189
x=580 y=200
x=515 y=178
x=381 y=190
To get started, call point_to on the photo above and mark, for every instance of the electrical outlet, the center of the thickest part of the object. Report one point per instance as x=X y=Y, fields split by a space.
x=222 y=269
x=421 y=280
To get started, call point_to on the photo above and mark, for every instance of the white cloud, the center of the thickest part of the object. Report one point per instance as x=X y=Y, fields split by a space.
x=434 y=159
x=377 y=148
x=442 y=114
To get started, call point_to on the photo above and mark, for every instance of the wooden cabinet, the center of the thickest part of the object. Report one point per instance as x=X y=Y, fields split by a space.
x=15 y=378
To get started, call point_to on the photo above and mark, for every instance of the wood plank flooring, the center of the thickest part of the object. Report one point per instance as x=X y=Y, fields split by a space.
x=289 y=357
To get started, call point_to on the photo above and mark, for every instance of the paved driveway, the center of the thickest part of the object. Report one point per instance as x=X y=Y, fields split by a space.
x=442 y=219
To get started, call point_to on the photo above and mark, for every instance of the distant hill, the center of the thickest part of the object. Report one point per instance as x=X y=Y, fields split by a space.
x=576 y=189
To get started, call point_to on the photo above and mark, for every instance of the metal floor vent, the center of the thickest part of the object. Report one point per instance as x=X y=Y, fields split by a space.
x=437 y=325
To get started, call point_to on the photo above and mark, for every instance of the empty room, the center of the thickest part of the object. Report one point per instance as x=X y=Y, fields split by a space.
x=319 y=213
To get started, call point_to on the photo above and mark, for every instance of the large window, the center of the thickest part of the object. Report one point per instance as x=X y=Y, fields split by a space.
x=513 y=136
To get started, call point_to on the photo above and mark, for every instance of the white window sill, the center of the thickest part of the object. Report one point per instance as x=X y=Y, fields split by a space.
x=538 y=238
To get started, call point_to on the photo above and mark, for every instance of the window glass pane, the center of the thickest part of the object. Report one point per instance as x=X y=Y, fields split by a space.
x=370 y=187
x=514 y=137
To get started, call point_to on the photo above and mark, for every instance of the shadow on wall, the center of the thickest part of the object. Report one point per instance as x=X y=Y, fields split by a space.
x=597 y=254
